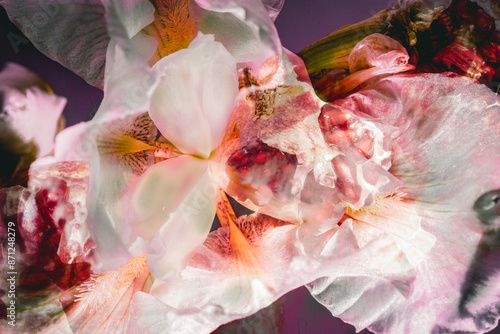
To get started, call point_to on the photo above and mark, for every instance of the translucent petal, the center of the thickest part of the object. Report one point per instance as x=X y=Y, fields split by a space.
x=150 y=315
x=38 y=218
x=19 y=77
x=121 y=150
x=172 y=206
x=195 y=97
x=67 y=184
x=243 y=27
x=220 y=272
x=103 y=302
x=127 y=92
x=298 y=159
x=273 y=7
x=128 y=16
x=377 y=50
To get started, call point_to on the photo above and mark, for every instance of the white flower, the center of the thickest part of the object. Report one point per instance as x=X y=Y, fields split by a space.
x=148 y=189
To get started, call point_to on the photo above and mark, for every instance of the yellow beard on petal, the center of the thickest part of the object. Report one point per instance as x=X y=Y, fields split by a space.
x=131 y=144
x=382 y=206
x=104 y=287
x=174 y=26
x=125 y=136
x=123 y=145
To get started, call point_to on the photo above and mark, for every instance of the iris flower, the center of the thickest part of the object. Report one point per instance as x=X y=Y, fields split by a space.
x=384 y=203
x=446 y=157
x=425 y=251
x=385 y=263
x=118 y=137
x=186 y=108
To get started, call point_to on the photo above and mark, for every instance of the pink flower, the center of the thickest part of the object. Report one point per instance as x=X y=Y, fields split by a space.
x=446 y=156
x=27 y=101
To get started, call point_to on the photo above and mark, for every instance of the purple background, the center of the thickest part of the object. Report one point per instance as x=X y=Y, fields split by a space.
x=300 y=23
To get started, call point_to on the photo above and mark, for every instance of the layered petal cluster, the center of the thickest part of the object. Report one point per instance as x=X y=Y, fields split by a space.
x=60 y=29
x=290 y=155
x=384 y=201
x=166 y=185
x=446 y=158
x=157 y=128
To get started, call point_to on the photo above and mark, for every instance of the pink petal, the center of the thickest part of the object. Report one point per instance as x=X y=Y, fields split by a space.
x=27 y=104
